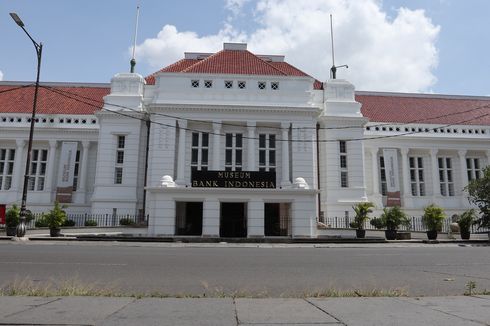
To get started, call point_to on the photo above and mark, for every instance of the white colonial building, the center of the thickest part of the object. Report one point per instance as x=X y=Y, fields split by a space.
x=235 y=144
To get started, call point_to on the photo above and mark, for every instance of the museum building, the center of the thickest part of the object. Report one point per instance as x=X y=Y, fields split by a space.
x=236 y=144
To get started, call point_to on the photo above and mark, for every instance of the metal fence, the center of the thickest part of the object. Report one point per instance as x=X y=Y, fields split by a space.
x=91 y=220
x=415 y=225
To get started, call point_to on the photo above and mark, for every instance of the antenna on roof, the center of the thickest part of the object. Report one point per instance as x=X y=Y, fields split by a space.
x=133 y=60
x=333 y=70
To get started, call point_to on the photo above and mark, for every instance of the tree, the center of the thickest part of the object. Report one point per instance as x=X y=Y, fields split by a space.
x=479 y=194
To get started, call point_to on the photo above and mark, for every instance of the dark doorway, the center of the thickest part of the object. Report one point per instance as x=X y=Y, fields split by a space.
x=233 y=220
x=188 y=218
x=276 y=219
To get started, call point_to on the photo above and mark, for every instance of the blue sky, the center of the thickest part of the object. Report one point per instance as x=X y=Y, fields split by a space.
x=442 y=49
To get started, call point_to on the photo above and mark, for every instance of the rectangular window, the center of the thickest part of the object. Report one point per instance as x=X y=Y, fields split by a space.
x=267 y=152
x=473 y=168
x=76 y=171
x=199 y=151
x=233 y=151
x=344 y=176
x=446 y=181
x=7 y=157
x=417 y=180
x=118 y=169
x=37 y=170
x=382 y=174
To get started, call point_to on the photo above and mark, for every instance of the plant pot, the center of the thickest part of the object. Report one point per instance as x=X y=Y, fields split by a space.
x=55 y=232
x=11 y=231
x=360 y=234
x=432 y=234
x=390 y=234
x=465 y=234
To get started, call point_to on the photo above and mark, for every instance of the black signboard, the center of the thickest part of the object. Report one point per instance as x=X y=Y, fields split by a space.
x=233 y=179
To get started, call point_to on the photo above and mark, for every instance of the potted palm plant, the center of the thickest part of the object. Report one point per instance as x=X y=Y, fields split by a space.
x=432 y=219
x=391 y=220
x=55 y=219
x=12 y=219
x=465 y=221
x=362 y=211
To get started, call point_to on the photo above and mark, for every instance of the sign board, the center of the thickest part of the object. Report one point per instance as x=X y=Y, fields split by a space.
x=233 y=179
x=392 y=180
x=66 y=172
x=2 y=214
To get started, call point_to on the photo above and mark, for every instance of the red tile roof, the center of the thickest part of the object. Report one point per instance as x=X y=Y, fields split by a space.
x=59 y=99
x=239 y=62
x=430 y=109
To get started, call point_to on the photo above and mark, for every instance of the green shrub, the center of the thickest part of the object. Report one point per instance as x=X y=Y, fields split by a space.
x=41 y=222
x=12 y=216
x=126 y=221
x=90 y=223
x=391 y=219
x=69 y=223
x=55 y=217
x=362 y=211
x=467 y=219
x=433 y=217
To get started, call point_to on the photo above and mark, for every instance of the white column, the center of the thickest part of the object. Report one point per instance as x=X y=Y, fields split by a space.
x=19 y=163
x=251 y=145
x=285 y=154
x=181 y=153
x=436 y=191
x=462 y=168
x=488 y=157
x=255 y=223
x=82 y=175
x=50 y=175
x=374 y=160
x=210 y=218
x=216 y=145
x=406 y=172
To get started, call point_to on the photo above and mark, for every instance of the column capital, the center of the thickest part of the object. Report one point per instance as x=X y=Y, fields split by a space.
x=20 y=143
x=462 y=152
x=488 y=154
x=404 y=150
x=285 y=125
x=217 y=125
x=251 y=124
x=182 y=123
x=85 y=144
x=433 y=151
x=374 y=151
x=53 y=143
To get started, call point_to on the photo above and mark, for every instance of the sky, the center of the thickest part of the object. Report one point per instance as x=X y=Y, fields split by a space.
x=428 y=46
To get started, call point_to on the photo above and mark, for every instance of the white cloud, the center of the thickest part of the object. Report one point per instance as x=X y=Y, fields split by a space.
x=1 y=75
x=390 y=54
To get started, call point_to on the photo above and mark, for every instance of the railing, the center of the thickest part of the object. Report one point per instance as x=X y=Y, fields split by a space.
x=91 y=220
x=415 y=225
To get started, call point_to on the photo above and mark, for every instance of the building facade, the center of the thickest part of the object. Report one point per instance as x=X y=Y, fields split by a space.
x=235 y=144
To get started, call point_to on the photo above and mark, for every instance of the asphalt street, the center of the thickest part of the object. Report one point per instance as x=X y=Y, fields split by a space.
x=269 y=270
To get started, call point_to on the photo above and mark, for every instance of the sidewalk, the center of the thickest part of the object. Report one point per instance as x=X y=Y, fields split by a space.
x=442 y=311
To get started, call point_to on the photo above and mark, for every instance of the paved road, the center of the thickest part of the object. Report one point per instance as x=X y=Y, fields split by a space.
x=281 y=270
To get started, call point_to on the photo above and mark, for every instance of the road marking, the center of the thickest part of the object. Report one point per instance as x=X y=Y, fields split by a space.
x=53 y=263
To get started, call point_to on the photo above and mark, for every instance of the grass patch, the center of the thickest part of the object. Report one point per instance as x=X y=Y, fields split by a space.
x=76 y=287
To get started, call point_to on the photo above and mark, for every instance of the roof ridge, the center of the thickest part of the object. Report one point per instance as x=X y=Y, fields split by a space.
x=199 y=62
x=282 y=72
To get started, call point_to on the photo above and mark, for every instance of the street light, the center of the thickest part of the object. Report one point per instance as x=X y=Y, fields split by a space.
x=21 y=228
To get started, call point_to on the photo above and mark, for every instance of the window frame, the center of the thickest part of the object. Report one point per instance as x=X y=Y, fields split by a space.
x=234 y=150
x=268 y=152
x=201 y=150
x=7 y=165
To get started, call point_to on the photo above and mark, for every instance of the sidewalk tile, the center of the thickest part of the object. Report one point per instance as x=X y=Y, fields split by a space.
x=13 y=305
x=172 y=312
x=280 y=311
x=72 y=310
x=470 y=308
x=386 y=312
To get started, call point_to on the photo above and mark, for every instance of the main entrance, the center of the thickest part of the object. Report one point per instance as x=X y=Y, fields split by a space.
x=233 y=220
x=276 y=219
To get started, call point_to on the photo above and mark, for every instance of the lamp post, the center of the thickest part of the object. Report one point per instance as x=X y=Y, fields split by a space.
x=21 y=228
